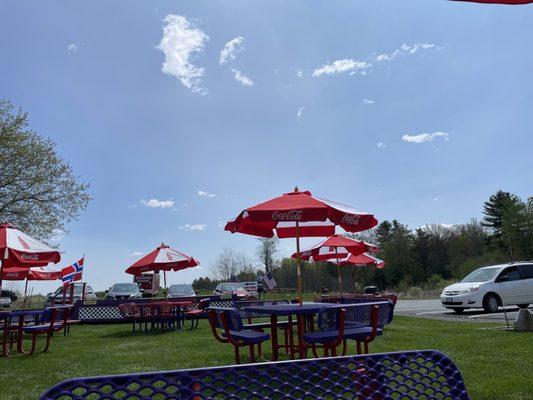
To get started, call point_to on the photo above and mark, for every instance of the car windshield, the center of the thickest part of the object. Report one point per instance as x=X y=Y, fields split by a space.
x=125 y=287
x=77 y=290
x=231 y=286
x=181 y=289
x=482 y=274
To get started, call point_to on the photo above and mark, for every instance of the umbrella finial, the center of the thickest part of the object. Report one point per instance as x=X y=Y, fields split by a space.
x=296 y=188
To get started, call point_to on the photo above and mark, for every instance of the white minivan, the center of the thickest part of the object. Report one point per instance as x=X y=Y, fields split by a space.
x=492 y=287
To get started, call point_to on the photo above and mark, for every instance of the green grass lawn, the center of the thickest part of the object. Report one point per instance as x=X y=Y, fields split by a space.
x=495 y=364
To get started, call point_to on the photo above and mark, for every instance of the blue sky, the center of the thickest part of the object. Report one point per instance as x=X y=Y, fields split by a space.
x=339 y=97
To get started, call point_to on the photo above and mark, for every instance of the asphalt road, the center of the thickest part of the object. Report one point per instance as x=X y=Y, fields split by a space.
x=433 y=309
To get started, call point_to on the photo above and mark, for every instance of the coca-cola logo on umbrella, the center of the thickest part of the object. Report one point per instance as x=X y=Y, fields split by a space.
x=291 y=215
x=29 y=257
x=169 y=256
x=350 y=219
x=25 y=245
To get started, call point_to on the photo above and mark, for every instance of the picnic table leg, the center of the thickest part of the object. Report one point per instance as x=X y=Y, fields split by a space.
x=301 y=326
x=274 y=336
x=291 y=338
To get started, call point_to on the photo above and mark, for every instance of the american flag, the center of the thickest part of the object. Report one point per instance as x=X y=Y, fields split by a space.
x=72 y=273
x=269 y=280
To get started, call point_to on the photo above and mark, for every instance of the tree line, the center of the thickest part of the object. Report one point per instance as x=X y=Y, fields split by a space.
x=425 y=257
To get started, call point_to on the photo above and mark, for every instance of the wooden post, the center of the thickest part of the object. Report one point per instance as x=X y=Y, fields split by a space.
x=165 y=281
x=299 y=264
x=339 y=271
x=71 y=300
x=83 y=286
x=65 y=294
x=1 y=273
x=25 y=294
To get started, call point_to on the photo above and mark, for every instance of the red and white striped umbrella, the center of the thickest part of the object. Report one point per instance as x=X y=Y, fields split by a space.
x=299 y=214
x=47 y=273
x=362 y=260
x=336 y=247
x=19 y=250
x=163 y=258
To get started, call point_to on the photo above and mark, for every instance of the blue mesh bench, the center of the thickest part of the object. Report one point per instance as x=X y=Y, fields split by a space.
x=361 y=322
x=410 y=375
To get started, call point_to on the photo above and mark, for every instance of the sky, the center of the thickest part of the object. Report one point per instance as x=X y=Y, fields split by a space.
x=179 y=114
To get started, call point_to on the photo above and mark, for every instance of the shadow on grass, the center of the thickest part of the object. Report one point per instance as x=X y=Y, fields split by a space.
x=131 y=334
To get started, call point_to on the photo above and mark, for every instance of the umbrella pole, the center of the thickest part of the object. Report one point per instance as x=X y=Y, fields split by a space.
x=165 y=280
x=339 y=271
x=25 y=293
x=299 y=265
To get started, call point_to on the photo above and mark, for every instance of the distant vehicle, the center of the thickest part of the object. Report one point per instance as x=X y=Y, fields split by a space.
x=7 y=297
x=57 y=296
x=231 y=288
x=492 y=287
x=182 y=290
x=122 y=291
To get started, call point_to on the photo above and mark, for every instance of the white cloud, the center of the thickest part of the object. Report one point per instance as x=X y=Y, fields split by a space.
x=381 y=145
x=368 y=101
x=230 y=50
x=240 y=77
x=340 y=66
x=137 y=253
x=72 y=47
x=180 y=41
x=360 y=67
x=154 y=203
x=201 y=193
x=424 y=137
x=193 y=227
x=300 y=114
x=404 y=50
x=300 y=73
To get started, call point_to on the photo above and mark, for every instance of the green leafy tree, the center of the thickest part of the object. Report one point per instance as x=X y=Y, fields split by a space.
x=39 y=192
x=494 y=209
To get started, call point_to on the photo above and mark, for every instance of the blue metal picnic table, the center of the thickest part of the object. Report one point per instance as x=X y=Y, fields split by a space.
x=302 y=313
x=13 y=329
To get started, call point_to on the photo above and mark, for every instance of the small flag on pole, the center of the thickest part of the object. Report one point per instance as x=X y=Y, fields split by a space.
x=72 y=273
x=270 y=281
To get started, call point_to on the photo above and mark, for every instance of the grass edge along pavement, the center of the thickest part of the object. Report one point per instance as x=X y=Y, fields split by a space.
x=495 y=364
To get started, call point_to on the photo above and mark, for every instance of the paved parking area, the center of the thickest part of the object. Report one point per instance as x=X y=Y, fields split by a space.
x=433 y=309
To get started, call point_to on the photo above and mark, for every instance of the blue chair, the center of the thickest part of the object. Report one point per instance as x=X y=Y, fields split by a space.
x=361 y=322
x=229 y=322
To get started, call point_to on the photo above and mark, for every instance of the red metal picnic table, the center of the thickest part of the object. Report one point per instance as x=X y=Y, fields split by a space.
x=302 y=313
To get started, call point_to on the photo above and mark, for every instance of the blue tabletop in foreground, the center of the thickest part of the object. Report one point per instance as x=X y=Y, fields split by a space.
x=288 y=309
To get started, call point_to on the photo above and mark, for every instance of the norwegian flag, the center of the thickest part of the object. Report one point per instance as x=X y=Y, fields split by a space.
x=72 y=273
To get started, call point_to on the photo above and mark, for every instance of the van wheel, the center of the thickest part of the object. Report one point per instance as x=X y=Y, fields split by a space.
x=523 y=305
x=490 y=303
x=458 y=310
